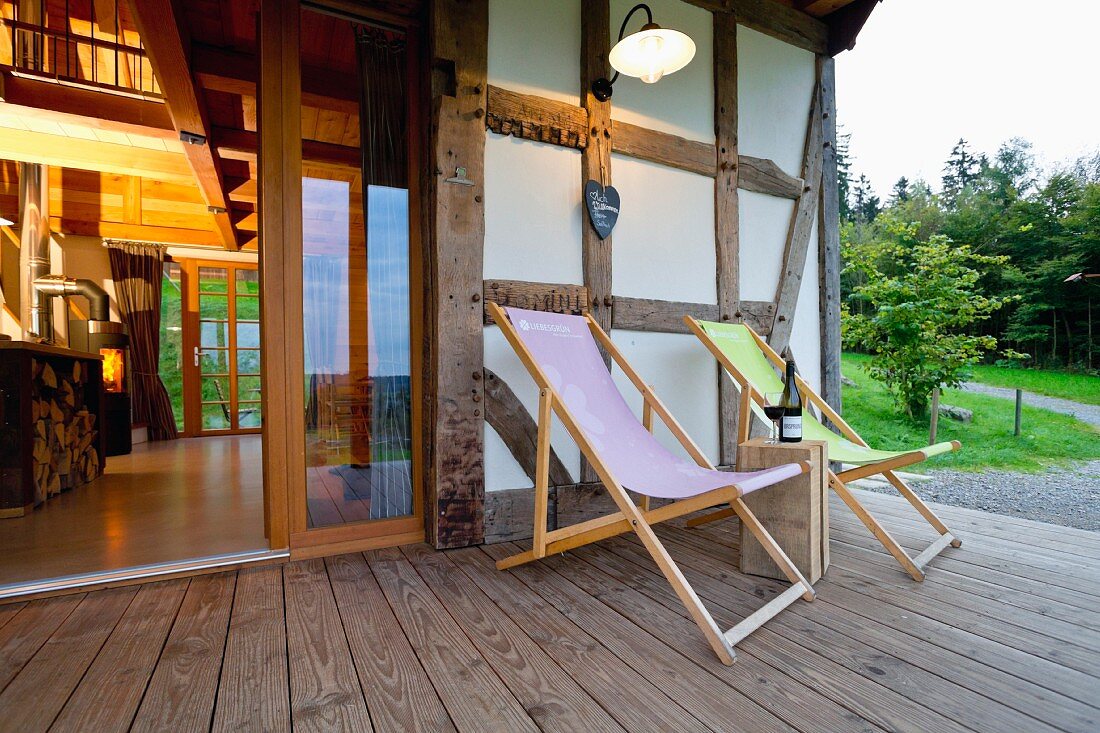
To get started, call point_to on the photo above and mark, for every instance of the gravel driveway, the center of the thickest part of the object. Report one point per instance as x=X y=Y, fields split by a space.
x=1069 y=496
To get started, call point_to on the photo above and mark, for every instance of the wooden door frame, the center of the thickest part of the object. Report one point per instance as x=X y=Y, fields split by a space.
x=192 y=338
x=281 y=287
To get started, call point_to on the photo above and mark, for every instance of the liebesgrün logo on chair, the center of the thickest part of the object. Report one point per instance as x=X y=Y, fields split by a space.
x=525 y=325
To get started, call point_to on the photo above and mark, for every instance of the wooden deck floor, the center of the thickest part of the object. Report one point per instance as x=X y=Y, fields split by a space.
x=1003 y=636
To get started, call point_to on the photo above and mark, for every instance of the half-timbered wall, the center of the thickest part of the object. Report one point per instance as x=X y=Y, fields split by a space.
x=664 y=242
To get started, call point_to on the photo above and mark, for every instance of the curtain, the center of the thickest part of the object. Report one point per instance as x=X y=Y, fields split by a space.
x=137 y=270
x=383 y=96
x=322 y=279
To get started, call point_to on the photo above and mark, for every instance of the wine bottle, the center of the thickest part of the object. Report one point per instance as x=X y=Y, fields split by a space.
x=790 y=425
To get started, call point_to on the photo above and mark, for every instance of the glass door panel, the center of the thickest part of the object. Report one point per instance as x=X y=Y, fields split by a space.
x=226 y=334
x=356 y=234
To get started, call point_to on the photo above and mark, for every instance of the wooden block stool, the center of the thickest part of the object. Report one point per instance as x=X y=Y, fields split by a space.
x=795 y=512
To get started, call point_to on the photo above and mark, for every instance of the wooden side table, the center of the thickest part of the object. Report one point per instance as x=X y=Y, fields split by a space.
x=795 y=511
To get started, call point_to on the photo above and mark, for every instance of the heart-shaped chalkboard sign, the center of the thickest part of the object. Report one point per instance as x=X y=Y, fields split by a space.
x=603 y=207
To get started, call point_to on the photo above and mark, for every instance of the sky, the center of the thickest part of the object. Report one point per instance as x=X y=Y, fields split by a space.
x=926 y=72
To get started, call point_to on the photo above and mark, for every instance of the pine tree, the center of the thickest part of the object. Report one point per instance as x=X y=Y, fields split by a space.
x=900 y=192
x=961 y=169
x=844 y=174
x=865 y=204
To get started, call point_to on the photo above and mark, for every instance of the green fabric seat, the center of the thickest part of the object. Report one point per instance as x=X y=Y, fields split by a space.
x=738 y=345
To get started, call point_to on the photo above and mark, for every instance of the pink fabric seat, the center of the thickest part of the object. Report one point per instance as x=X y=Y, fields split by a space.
x=565 y=350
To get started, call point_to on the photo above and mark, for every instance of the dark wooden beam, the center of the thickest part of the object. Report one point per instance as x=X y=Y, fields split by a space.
x=762 y=175
x=801 y=224
x=782 y=22
x=663 y=316
x=596 y=155
x=546 y=120
x=164 y=37
x=46 y=100
x=661 y=147
x=519 y=431
x=828 y=233
x=459 y=36
x=547 y=297
x=727 y=216
x=233 y=72
x=536 y=118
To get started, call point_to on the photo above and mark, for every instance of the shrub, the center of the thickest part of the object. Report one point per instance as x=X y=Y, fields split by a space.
x=917 y=303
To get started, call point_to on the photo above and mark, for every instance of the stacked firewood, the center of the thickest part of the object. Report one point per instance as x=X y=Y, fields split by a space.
x=65 y=435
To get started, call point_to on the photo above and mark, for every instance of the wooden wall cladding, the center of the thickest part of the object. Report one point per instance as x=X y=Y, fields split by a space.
x=459 y=35
x=546 y=297
x=536 y=118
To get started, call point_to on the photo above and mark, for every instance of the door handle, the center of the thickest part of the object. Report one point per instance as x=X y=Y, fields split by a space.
x=198 y=353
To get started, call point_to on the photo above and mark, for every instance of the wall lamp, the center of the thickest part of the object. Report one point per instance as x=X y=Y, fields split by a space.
x=649 y=54
x=6 y=223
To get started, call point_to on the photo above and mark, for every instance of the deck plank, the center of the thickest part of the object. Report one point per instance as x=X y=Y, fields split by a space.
x=324 y=691
x=475 y=697
x=708 y=575
x=797 y=656
x=551 y=697
x=399 y=694
x=254 y=687
x=39 y=691
x=634 y=701
x=739 y=695
x=10 y=611
x=25 y=634
x=183 y=689
x=108 y=696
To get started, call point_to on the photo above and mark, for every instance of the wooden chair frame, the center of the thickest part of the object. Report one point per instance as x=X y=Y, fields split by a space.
x=640 y=518
x=838 y=481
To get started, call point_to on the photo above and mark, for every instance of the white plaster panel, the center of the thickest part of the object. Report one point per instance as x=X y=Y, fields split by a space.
x=532 y=211
x=764 y=220
x=500 y=473
x=664 y=239
x=683 y=102
x=775 y=83
x=806 y=330
x=684 y=376
x=535 y=47
x=502 y=470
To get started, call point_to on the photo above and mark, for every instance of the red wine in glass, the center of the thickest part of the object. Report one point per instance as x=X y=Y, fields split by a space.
x=774 y=411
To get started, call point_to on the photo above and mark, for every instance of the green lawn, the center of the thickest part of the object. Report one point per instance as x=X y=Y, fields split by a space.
x=1076 y=386
x=1048 y=438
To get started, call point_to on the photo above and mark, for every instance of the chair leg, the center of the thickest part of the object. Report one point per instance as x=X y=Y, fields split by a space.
x=877 y=529
x=920 y=506
x=686 y=594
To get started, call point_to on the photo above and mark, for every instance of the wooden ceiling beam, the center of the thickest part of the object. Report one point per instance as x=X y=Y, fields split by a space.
x=233 y=72
x=141 y=233
x=166 y=42
x=233 y=144
x=92 y=155
x=40 y=99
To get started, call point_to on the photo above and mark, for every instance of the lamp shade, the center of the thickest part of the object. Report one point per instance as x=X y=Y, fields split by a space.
x=651 y=53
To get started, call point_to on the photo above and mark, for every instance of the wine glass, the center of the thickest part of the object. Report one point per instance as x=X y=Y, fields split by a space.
x=774 y=413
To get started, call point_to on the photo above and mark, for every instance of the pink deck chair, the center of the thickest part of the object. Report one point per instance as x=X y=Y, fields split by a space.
x=562 y=356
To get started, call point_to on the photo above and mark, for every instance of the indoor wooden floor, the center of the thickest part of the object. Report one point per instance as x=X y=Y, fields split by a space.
x=1003 y=636
x=164 y=502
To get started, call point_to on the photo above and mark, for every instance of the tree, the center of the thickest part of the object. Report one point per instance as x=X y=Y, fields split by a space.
x=865 y=204
x=844 y=173
x=961 y=169
x=920 y=301
x=900 y=193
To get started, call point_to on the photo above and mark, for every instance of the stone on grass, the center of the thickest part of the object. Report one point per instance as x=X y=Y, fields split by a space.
x=957 y=413
x=848 y=382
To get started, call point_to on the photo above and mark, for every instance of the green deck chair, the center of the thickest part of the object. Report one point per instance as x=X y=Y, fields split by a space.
x=749 y=361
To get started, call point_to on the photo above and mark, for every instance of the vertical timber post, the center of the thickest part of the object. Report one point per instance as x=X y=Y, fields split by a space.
x=828 y=232
x=726 y=215
x=596 y=164
x=459 y=31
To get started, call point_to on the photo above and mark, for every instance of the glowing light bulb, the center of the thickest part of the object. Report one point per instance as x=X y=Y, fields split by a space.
x=650 y=49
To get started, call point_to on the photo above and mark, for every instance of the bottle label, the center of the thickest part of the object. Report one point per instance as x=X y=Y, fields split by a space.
x=791 y=427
